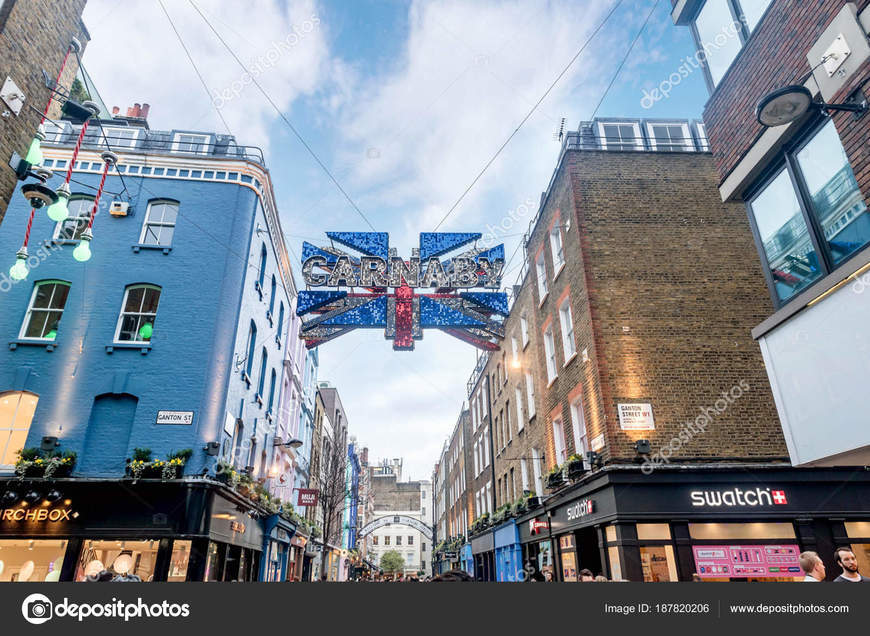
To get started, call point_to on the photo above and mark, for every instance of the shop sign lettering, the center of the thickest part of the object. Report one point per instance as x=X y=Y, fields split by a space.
x=738 y=497
x=581 y=509
x=38 y=514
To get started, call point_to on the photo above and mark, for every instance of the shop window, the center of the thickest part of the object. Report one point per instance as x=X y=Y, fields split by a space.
x=718 y=531
x=610 y=533
x=179 y=561
x=28 y=560
x=651 y=532
x=213 y=562
x=858 y=529
x=568 y=555
x=810 y=217
x=16 y=414
x=615 y=564
x=124 y=560
x=658 y=563
x=862 y=555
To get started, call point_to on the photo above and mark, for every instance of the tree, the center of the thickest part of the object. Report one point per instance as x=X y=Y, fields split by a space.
x=392 y=562
x=331 y=475
x=78 y=92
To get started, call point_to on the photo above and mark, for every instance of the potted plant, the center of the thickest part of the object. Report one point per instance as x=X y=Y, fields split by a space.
x=226 y=474
x=576 y=467
x=532 y=500
x=34 y=462
x=60 y=465
x=555 y=478
x=173 y=467
x=520 y=507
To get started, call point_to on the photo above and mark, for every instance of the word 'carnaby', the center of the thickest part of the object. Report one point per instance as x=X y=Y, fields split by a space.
x=374 y=271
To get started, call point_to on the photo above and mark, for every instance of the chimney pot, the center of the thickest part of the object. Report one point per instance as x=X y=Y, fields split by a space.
x=115 y=110
x=145 y=109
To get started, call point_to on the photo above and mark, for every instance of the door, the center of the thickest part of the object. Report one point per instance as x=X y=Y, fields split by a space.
x=108 y=436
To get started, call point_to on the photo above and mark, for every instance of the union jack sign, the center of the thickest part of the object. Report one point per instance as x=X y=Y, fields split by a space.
x=377 y=289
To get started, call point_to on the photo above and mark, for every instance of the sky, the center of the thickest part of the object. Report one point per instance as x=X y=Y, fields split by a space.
x=404 y=102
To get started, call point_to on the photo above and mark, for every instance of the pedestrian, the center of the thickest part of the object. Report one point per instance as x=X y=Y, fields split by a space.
x=812 y=566
x=453 y=576
x=601 y=579
x=586 y=575
x=324 y=578
x=846 y=560
x=696 y=578
x=535 y=575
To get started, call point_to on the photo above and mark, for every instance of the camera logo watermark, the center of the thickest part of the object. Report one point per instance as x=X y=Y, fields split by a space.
x=38 y=609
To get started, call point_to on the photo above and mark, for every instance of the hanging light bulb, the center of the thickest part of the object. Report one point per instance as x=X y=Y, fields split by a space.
x=145 y=331
x=59 y=210
x=82 y=252
x=34 y=153
x=52 y=334
x=19 y=271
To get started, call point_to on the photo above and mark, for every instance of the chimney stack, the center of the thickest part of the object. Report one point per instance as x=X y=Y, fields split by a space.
x=144 y=111
x=115 y=110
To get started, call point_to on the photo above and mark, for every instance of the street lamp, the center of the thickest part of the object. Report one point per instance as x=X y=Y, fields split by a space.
x=788 y=104
x=293 y=443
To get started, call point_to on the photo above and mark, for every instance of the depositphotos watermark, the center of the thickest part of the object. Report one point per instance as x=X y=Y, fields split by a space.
x=693 y=428
x=38 y=609
x=690 y=63
x=504 y=227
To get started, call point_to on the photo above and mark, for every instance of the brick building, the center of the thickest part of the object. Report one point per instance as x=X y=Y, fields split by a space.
x=804 y=185
x=35 y=37
x=629 y=338
x=453 y=499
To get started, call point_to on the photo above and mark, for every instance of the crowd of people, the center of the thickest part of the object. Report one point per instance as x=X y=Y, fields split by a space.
x=814 y=568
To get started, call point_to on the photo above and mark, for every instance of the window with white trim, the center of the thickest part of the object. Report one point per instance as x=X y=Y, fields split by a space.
x=138 y=312
x=578 y=426
x=186 y=142
x=703 y=142
x=519 y=403
x=556 y=250
x=249 y=353
x=536 y=468
x=516 y=352
x=44 y=310
x=670 y=137
x=79 y=210
x=543 y=284
x=54 y=132
x=620 y=135
x=524 y=330
x=120 y=137
x=530 y=394
x=565 y=318
x=159 y=225
x=524 y=474
x=550 y=354
x=559 y=440
x=16 y=414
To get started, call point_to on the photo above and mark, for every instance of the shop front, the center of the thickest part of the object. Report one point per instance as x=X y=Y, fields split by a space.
x=467 y=559
x=278 y=533
x=709 y=522
x=296 y=559
x=67 y=530
x=533 y=531
x=508 y=553
x=483 y=551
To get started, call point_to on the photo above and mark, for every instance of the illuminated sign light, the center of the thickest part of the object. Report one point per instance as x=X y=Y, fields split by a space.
x=536 y=527
x=449 y=304
x=38 y=514
x=739 y=497
x=581 y=509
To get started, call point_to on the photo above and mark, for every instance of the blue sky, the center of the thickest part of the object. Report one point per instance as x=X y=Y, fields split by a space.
x=404 y=102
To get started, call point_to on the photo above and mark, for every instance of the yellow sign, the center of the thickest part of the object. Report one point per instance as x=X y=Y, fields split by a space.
x=38 y=514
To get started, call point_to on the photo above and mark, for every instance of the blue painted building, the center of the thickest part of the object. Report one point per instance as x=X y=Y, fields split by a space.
x=173 y=336
x=508 y=553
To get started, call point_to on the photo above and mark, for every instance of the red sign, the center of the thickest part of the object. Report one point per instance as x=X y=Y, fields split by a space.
x=536 y=526
x=307 y=497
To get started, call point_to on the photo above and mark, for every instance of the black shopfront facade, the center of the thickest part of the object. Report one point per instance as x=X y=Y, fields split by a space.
x=719 y=523
x=179 y=530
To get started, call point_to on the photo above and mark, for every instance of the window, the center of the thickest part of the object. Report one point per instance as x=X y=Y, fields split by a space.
x=556 y=250
x=272 y=382
x=578 y=426
x=78 y=215
x=387 y=540
x=803 y=237
x=120 y=137
x=530 y=394
x=272 y=295
x=516 y=352
x=280 y=322
x=410 y=540
x=568 y=344
x=703 y=142
x=670 y=137
x=524 y=474
x=184 y=142
x=16 y=414
x=518 y=396
x=399 y=540
x=375 y=540
x=138 y=312
x=620 y=136
x=249 y=354
x=159 y=225
x=543 y=285
x=45 y=310
x=261 y=279
x=559 y=441
x=54 y=132
x=550 y=353
x=720 y=34
x=536 y=468
x=507 y=420
x=524 y=330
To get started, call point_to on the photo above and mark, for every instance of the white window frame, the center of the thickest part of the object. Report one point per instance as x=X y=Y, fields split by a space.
x=6 y=430
x=530 y=394
x=146 y=224
x=557 y=250
x=550 y=355
x=516 y=351
x=519 y=404
x=578 y=427
x=559 y=445
x=49 y=309
x=82 y=218
x=122 y=313
x=524 y=473
x=524 y=331
x=201 y=148
x=703 y=141
x=569 y=345
x=536 y=468
x=637 y=142
x=114 y=132
x=54 y=131
x=687 y=144
x=507 y=421
x=543 y=282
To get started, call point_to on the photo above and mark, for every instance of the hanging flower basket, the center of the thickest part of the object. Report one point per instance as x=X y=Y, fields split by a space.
x=36 y=463
x=556 y=479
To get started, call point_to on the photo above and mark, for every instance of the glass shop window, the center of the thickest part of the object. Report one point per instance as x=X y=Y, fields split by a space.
x=658 y=563
x=719 y=531
x=179 y=561
x=28 y=560
x=569 y=558
x=118 y=560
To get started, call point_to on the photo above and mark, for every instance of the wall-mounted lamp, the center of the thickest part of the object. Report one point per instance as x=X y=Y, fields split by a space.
x=49 y=443
x=642 y=447
x=790 y=103
x=212 y=449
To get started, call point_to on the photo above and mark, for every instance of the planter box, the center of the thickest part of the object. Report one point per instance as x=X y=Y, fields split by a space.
x=576 y=469
x=555 y=481
x=533 y=502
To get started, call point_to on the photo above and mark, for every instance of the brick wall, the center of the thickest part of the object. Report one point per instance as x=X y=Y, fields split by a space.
x=34 y=38
x=775 y=56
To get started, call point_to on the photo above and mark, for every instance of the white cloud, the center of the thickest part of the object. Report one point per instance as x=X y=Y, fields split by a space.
x=135 y=57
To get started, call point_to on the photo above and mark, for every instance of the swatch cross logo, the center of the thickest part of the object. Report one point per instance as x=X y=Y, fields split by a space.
x=375 y=288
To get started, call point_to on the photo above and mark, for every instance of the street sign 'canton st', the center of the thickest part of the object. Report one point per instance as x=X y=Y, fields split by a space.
x=390 y=295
